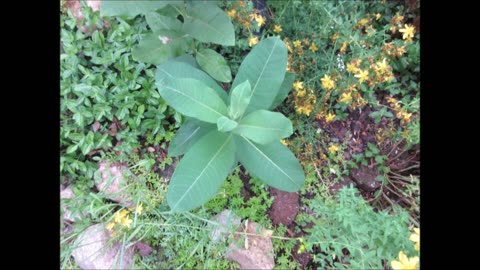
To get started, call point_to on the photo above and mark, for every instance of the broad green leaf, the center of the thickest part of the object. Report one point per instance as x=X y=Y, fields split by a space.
x=193 y=98
x=159 y=22
x=208 y=23
x=225 y=124
x=201 y=171
x=178 y=69
x=214 y=64
x=285 y=88
x=187 y=135
x=187 y=59
x=264 y=126
x=129 y=8
x=161 y=45
x=273 y=163
x=265 y=68
x=239 y=100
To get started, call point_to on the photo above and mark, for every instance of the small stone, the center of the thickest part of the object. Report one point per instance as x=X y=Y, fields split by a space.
x=228 y=222
x=143 y=249
x=93 y=250
x=112 y=182
x=68 y=216
x=365 y=178
x=252 y=251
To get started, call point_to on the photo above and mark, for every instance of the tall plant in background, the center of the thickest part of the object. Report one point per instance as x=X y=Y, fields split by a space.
x=224 y=130
x=202 y=21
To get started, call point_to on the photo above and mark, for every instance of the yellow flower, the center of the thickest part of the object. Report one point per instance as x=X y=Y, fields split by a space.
x=334 y=37
x=405 y=262
x=126 y=222
x=378 y=16
x=415 y=237
x=327 y=82
x=297 y=43
x=344 y=47
x=362 y=22
x=313 y=47
x=333 y=148
x=352 y=68
x=346 y=97
x=362 y=75
x=408 y=32
x=259 y=19
x=329 y=117
x=110 y=225
x=301 y=93
x=382 y=66
x=252 y=41
x=301 y=248
x=120 y=215
x=284 y=142
x=231 y=13
x=247 y=24
x=139 y=209
x=297 y=85
x=277 y=28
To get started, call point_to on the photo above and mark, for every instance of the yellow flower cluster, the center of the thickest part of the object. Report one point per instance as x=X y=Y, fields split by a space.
x=301 y=247
x=403 y=261
x=393 y=51
x=382 y=71
x=400 y=113
x=396 y=22
x=244 y=14
x=303 y=99
x=252 y=41
x=333 y=148
x=327 y=82
x=122 y=218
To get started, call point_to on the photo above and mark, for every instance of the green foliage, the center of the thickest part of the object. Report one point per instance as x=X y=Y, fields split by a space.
x=350 y=223
x=204 y=167
x=106 y=98
x=203 y=21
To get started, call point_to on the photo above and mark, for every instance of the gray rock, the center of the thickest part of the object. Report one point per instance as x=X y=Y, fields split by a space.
x=365 y=178
x=112 y=182
x=93 y=250
x=252 y=251
x=228 y=222
x=67 y=194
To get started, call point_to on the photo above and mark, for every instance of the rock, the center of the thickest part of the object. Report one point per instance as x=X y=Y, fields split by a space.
x=257 y=254
x=284 y=208
x=68 y=194
x=228 y=222
x=112 y=181
x=346 y=181
x=143 y=249
x=76 y=8
x=365 y=178
x=94 y=252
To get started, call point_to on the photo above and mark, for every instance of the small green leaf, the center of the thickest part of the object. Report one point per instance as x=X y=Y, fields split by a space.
x=208 y=23
x=264 y=126
x=239 y=99
x=159 y=22
x=273 y=163
x=187 y=135
x=201 y=171
x=193 y=98
x=285 y=88
x=225 y=124
x=214 y=64
x=160 y=46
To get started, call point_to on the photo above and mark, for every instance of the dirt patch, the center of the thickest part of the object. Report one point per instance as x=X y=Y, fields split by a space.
x=284 y=208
